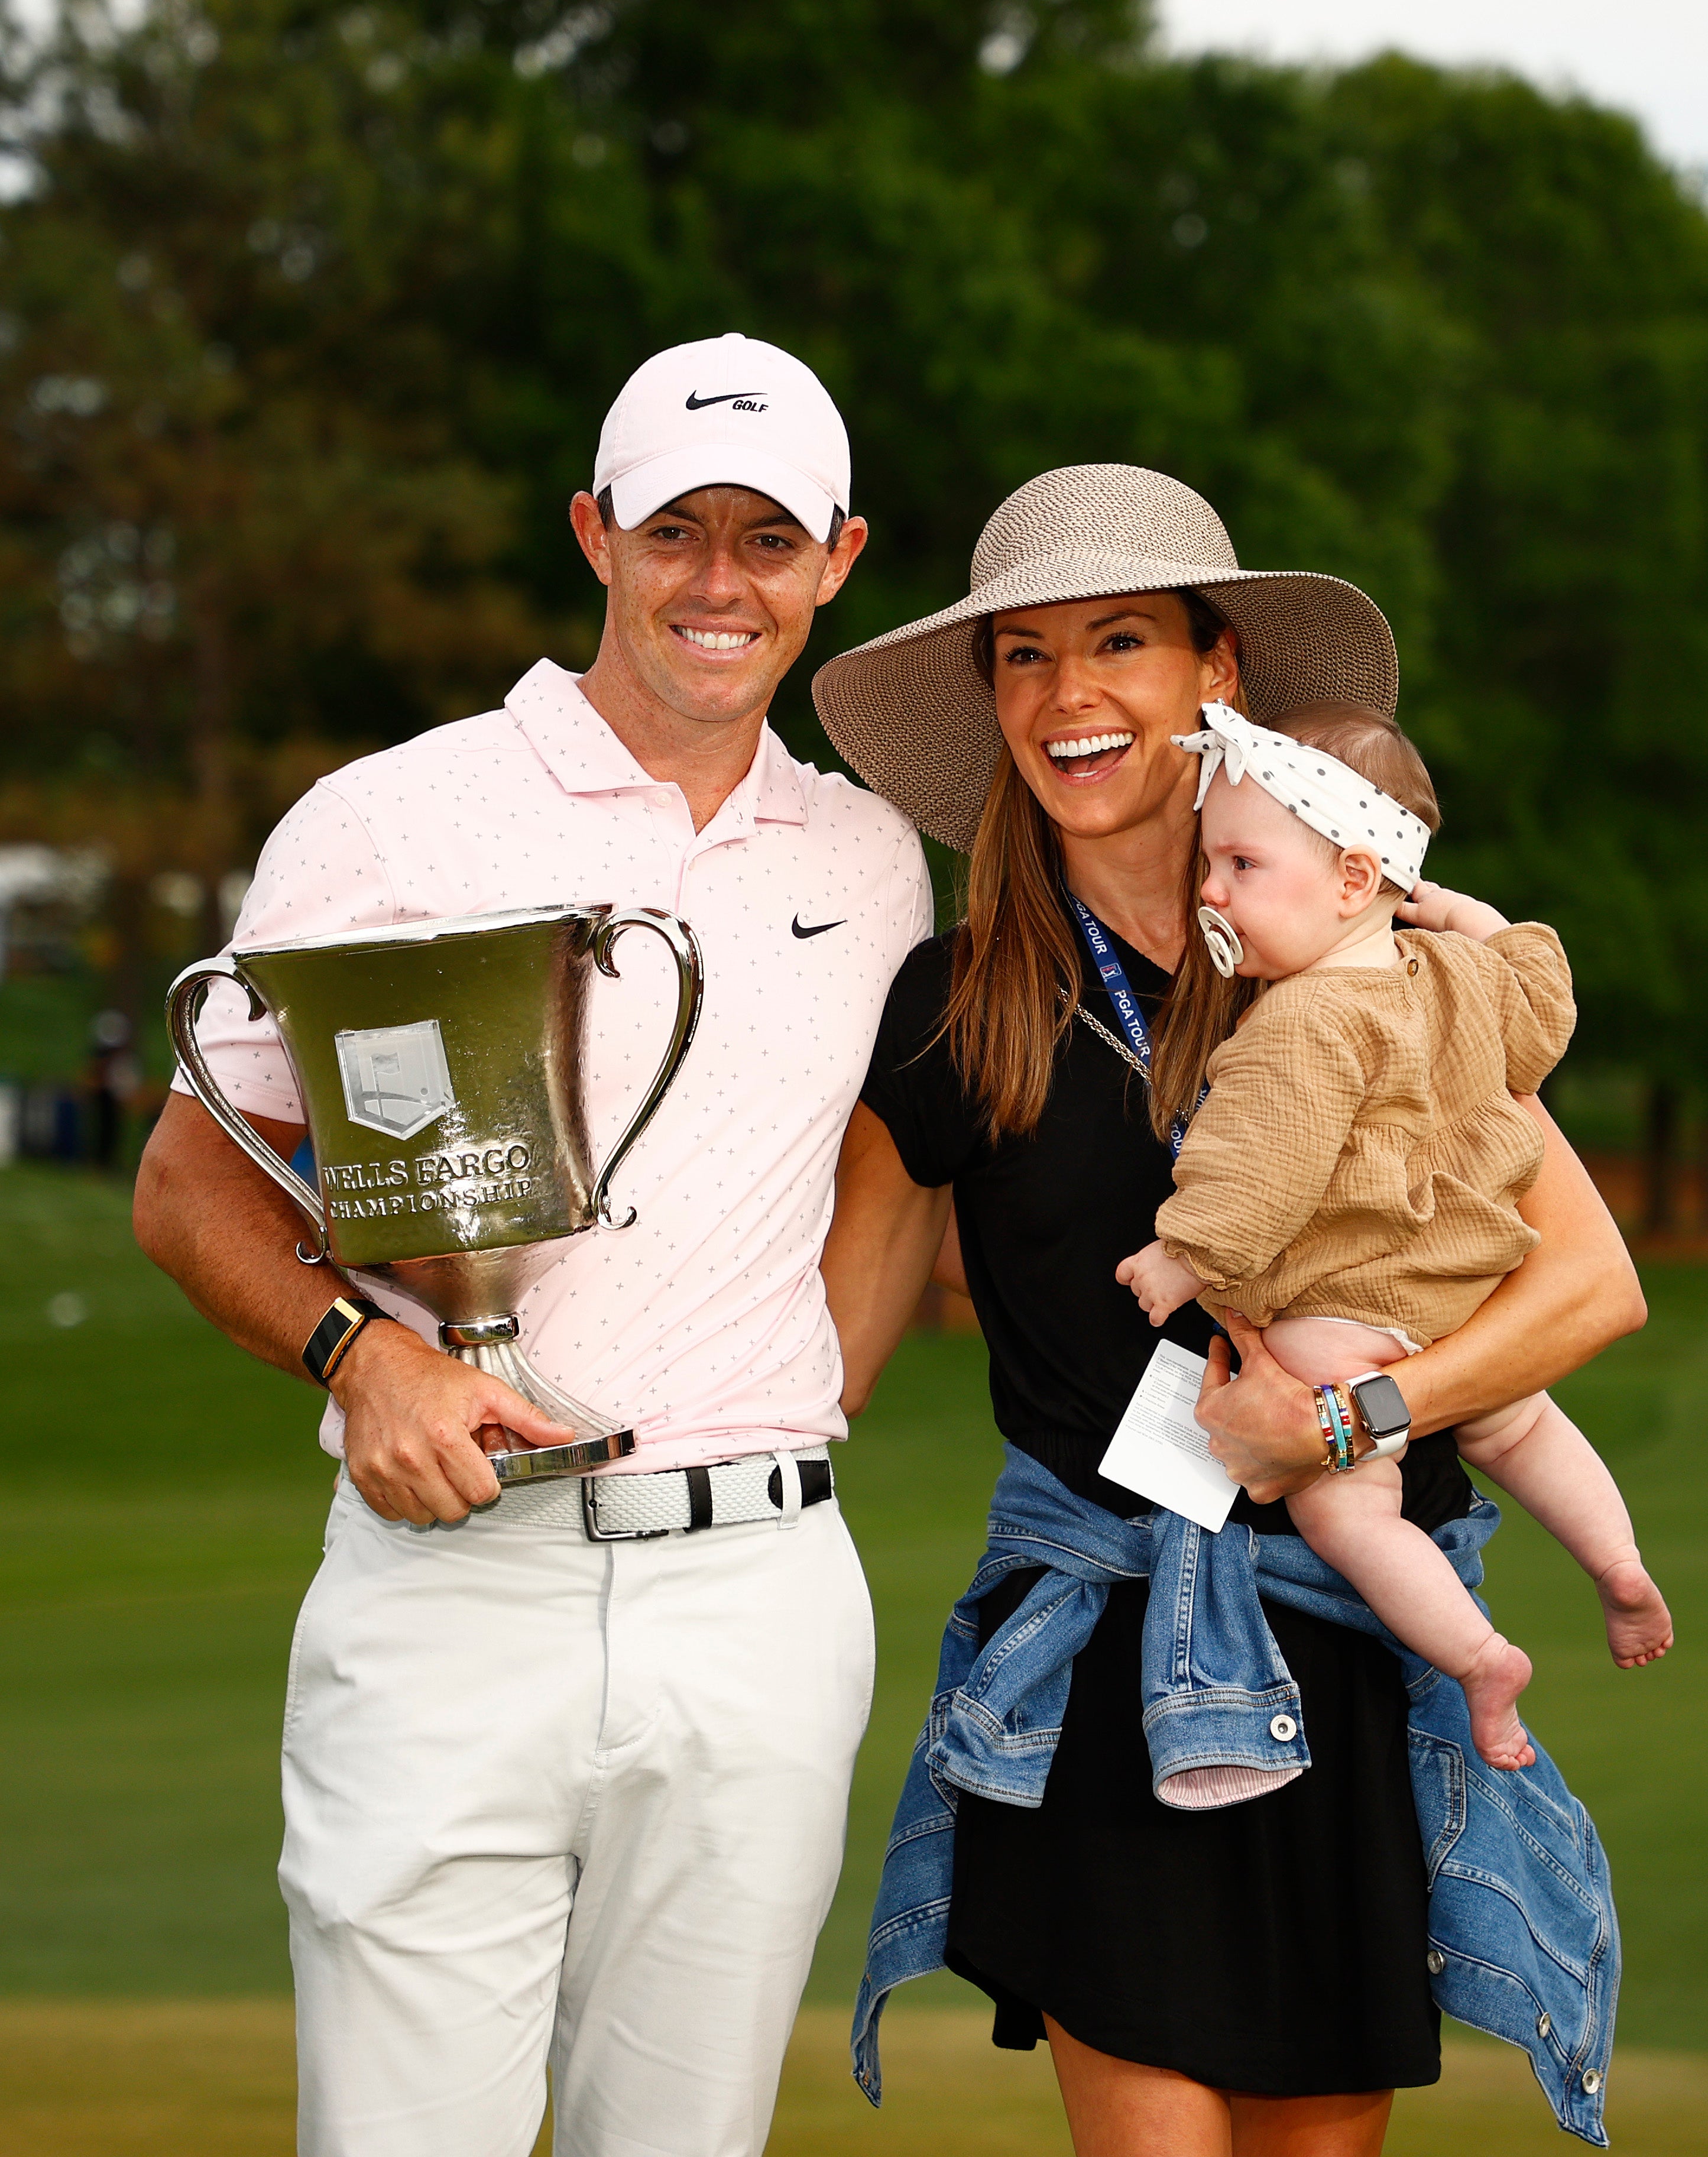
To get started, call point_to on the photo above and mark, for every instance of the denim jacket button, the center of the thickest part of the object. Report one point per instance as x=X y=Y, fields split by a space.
x=1435 y=1962
x=1545 y=2022
x=1591 y=2081
x=1282 y=1729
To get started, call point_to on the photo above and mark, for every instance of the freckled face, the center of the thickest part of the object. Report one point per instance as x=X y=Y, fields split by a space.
x=712 y=597
x=1271 y=878
x=1088 y=693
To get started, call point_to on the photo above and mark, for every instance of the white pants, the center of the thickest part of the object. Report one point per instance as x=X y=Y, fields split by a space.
x=549 y=1798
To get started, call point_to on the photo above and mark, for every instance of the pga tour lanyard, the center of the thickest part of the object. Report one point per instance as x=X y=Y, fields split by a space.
x=1108 y=961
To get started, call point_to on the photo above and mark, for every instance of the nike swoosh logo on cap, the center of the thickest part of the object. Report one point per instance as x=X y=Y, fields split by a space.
x=819 y=929
x=723 y=396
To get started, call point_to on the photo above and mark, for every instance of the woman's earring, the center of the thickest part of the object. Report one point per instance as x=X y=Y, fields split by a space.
x=1226 y=949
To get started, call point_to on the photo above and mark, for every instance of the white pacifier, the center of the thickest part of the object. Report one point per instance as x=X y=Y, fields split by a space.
x=1222 y=938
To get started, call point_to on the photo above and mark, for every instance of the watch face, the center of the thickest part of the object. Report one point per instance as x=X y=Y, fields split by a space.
x=1382 y=1405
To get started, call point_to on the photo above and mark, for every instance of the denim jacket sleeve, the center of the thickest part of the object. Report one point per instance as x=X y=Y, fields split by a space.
x=1523 y=1941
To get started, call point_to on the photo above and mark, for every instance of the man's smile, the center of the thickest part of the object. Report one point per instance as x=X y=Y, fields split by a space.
x=715 y=640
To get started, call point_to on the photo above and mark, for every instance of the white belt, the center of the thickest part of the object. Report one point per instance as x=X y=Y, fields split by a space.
x=760 y=1487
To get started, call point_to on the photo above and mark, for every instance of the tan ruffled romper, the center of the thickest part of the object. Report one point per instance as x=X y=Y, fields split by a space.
x=1359 y=1155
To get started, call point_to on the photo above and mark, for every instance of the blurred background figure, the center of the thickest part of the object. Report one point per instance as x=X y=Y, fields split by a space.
x=112 y=1078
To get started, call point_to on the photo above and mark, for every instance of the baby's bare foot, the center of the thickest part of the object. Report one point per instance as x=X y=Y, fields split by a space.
x=1498 y=1675
x=1639 y=1625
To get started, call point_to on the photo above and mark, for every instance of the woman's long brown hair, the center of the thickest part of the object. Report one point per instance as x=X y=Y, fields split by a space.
x=1017 y=969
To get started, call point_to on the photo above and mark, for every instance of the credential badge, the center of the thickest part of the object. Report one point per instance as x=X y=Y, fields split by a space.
x=396 y=1079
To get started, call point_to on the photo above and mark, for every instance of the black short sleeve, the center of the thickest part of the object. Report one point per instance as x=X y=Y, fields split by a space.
x=912 y=1084
x=1044 y=1219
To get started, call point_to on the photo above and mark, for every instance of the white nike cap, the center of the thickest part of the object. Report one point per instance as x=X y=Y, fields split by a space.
x=727 y=411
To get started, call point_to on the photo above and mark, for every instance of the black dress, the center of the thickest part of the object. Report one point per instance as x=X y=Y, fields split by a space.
x=1275 y=1947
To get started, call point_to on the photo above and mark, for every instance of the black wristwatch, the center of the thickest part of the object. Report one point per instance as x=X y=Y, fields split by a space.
x=331 y=1340
x=1382 y=1406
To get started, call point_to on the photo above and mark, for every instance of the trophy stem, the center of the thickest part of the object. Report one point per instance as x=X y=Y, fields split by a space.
x=596 y=1438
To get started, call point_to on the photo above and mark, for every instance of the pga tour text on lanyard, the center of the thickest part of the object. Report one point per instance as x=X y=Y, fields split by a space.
x=1108 y=961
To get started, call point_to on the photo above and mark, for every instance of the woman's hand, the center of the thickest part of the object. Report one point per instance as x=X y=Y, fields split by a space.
x=1261 y=1425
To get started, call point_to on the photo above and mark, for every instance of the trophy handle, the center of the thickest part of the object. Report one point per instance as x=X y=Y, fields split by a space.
x=685 y=948
x=183 y=1003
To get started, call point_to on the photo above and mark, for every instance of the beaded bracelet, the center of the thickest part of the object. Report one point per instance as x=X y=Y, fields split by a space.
x=1335 y=1419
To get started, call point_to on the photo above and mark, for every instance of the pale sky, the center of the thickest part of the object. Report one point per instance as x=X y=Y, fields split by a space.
x=1650 y=57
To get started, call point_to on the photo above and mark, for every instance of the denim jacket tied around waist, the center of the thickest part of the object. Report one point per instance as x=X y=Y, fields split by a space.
x=1523 y=1940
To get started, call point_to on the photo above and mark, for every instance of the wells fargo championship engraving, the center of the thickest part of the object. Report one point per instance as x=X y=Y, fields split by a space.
x=502 y=1167
x=461 y=1044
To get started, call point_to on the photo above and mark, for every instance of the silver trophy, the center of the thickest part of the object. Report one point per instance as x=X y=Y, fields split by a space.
x=441 y=1067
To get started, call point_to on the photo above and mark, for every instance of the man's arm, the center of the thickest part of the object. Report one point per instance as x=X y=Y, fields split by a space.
x=885 y=1238
x=207 y=1215
x=1575 y=1295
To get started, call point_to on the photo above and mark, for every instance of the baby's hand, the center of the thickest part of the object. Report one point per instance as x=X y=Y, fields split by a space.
x=1161 y=1283
x=1433 y=906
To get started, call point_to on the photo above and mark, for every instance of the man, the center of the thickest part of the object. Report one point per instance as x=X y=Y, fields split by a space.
x=547 y=1795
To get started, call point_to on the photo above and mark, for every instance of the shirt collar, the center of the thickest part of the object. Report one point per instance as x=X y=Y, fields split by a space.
x=778 y=796
x=585 y=757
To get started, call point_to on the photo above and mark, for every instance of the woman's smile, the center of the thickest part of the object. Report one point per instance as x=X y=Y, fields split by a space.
x=1086 y=753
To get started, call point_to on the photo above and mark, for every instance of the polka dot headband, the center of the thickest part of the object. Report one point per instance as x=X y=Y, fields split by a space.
x=1318 y=787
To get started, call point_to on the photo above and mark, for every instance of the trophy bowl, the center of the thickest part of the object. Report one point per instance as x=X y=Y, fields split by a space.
x=441 y=1067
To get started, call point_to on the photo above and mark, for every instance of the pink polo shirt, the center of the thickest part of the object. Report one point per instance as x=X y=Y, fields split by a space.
x=704 y=1325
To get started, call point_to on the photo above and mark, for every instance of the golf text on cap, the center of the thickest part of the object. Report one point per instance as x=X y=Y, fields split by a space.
x=727 y=411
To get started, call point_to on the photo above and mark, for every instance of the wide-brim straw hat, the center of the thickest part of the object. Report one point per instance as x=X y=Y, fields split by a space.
x=912 y=714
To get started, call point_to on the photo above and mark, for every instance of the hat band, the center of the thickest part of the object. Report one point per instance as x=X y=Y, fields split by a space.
x=651 y=485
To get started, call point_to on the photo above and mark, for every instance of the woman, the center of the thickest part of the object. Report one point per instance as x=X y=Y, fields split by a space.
x=1253 y=1977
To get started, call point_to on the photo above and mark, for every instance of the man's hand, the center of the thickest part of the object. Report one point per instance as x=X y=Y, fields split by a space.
x=1161 y=1283
x=1433 y=906
x=1261 y=1425
x=417 y=1422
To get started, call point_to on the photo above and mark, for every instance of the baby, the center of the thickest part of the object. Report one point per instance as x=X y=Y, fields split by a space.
x=1350 y=1181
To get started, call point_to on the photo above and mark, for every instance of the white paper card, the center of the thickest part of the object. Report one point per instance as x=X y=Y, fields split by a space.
x=1158 y=1449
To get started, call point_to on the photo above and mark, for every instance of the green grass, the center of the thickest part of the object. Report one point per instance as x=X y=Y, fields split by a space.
x=163 y=1498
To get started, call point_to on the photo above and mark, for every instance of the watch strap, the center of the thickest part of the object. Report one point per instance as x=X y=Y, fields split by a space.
x=331 y=1340
x=1383 y=1444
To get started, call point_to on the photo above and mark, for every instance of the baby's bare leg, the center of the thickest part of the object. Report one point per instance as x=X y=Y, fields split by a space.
x=1535 y=1451
x=1353 y=1522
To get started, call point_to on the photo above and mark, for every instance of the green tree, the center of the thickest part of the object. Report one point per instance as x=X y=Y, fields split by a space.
x=234 y=511
x=1566 y=703
x=315 y=308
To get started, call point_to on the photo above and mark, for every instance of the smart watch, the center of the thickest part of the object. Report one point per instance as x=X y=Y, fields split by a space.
x=331 y=1340
x=1382 y=1406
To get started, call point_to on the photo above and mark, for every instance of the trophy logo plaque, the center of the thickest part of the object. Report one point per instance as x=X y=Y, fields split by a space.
x=396 y=1079
x=442 y=1071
